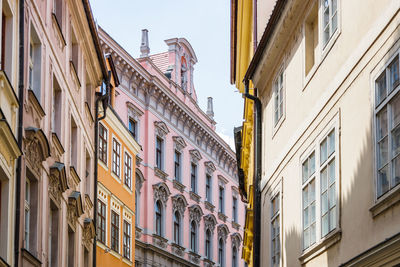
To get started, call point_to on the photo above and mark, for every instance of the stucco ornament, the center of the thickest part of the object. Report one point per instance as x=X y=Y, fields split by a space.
x=57 y=182
x=195 y=213
x=179 y=142
x=179 y=204
x=210 y=167
x=161 y=192
x=195 y=155
x=161 y=128
x=89 y=233
x=36 y=148
x=236 y=240
x=223 y=231
x=210 y=222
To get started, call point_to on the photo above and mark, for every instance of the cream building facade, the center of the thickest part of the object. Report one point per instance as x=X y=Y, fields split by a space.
x=327 y=75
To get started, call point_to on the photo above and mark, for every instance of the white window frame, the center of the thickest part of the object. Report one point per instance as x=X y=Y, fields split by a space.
x=162 y=167
x=126 y=152
x=322 y=26
x=105 y=165
x=117 y=209
x=118 y=177
x=273 y=218
x=393 y=93
x=282 y=101
x=27 y=207
x=333 y=125
x=104 y=199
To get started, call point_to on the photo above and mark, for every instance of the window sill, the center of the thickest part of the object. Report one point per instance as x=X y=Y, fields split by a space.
x=178 y=185
x=160 y=173
x=127 y=261
x=128 y=189
x=74 y=176
x=194 y=257
x=222 y=216
x=160 y=241
x=209 y=206
x=115 y=254
x=74 y=72
x=116 y=177
x=178 y=249
x=58 y=29
x=235 y=225
x=318 y=248
x=102 y=164
x=57 y=143
x=194 y=196
x=89 y=112
x=36 y=104
x=278 y=125
x=387 y=201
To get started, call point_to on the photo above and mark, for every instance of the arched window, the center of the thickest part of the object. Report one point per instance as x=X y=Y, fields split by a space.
x=177 y=228
x=158 y=218
x=221 y=252
x=234 y=257
x=193 y=236
x=208 y=244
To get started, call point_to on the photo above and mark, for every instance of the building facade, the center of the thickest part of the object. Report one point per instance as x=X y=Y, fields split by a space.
x=327 y=75
x=62 y=68
x=187 y=196
x=116 y=187
x=9 y=105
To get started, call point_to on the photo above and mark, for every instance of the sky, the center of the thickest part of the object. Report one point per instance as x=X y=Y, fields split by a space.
x=204 y=23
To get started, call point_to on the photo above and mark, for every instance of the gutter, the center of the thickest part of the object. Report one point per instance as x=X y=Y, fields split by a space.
x=104 y=99
x=18 y=172
x=257 y=175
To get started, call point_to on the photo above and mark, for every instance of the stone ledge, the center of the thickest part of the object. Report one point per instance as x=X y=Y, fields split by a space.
x=194 y=196
x=159 y=173
x=209 y=206
x=235 y=225
x=194 y=257
x=387 y=201
x=222 y=216
x=178 y=250
x=160 y=241
x=178 y=185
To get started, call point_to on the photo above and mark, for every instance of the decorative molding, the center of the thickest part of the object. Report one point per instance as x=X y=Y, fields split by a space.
x=133 y=111
x=161 y=192
x=194 y=196
x=210 y=167
x=235 y=225
x=179 y=204
x=75 y=208
x=209 y=222
x=208 y=263
x=161 y=128
x=179 y=143
x=195 y=213
x=138 y=160
x=178 y=185
x=138 y=232
x=194 y=257
x=37 y=148
x=223 y=231
x=74 y=178
x=139 y=179
x=209 y=206
x=89 y=233
x=222 y=180
x=178 y=250
x=159 y=173
x=57 y=182
x=222 y=216
x=160 y=241
x=195 y=155
x=236 y=240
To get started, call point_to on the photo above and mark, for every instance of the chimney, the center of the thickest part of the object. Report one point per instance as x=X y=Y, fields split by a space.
x=210 y=109
x=144 y=47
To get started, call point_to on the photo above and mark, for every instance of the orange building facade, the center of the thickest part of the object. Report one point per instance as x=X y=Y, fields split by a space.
x=115 y=190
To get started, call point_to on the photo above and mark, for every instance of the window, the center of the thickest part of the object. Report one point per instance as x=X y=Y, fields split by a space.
x=311 y=38
x=158 y=218
x=27 y=211
x=56 y=108
x=208 y=188
x=31 y=212
x=74 y=144
x=88 y=175
x=74 y=53
x=114 y=231
x=53 y=235
x=221 y=252
x=88 y=92
x=234 y=257
x=221 y=199
x=116 y=159
x=159 y=152
x=387 y=118
x=208 y=244
x=193 y=178
x=319 y=179
x=57 y=11
x=128 y=170
x=275 y=232
x=177 y=165
x=7 y=40
x=34 y=63
x=278 y=98
x=177 y=230
x=127 y=240
x=71 y=248
x=103 y=143
x=193 y=236
x=329 y=19
x=101 y=222
x=133 y=128
x=234 y=207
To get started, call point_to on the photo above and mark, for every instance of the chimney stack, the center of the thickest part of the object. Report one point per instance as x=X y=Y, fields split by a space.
x=144 y=47
x=210 y=109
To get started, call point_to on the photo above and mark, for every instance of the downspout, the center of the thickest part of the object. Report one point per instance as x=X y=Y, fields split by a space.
x=104 y=100
x=18 y=172
x=257 y=176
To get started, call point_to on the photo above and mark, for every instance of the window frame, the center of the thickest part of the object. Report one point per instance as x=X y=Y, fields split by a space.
x=177 y=226
x=127 y=236
x=159 y=230
x=332 y=126
x=209 y=188
x=208 y=253
x=127 y=169
x=325 y=45
x=116 y=165
x=194 y=235
x=103 y=141
x=234 y=209
x=178 y=165
x=159 y=153
x=193 y=177
x=134 y=132
x=221 y=199
x=281 y=71
x=115 y=230
x=275 y=216
x=100 y=216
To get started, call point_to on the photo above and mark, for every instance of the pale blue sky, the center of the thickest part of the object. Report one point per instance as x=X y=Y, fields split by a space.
x=204 y=23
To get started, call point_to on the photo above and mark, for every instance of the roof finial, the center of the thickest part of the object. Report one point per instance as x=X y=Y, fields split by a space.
x=210 y=109
x=144 y=47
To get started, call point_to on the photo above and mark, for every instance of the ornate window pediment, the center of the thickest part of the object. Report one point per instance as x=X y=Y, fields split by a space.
x=89 y=233
x=209 y=222
x=57 y=181
x=139 y=179
x=195 y=213
x=161 y=192
x=180 y=143
x=222 y=181
x=236 y=240
x=210 y=167
x=223 y=231
x=195 y=155
x=75 y=208
x=37 y=148
x=179 y=203
x=161 y=128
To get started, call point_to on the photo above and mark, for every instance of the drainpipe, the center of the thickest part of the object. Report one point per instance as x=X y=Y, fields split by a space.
x=104 y=101
x=18 y=171
x=257 y=175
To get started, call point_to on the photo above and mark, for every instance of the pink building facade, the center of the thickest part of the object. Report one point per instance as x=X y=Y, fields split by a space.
x=188 y=208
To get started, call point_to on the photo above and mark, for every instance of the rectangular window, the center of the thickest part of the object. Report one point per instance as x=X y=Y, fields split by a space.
x=101 y=222
x=193 y=178
x=27 y=212
x=133 y=127
x=177 y=165
x=221 y=199
x=159 y=152
x=34 y=64
x=309 y=211
x=116 y=158
x=234 y=211
x=103 y=139
x=278 y=98
x=275 y=232
x=56 y=108
x=387 y=119
x=7 y=40
x=208 y=188
x=329 y=19
x=53 y=234
x=75 y=53
x=114 y=231
x=71 y=248
x=31 y=212
x=128 y=171
x=88 y=176
x=74 y=144
x=127 y=240
x=311 y=38
x=57 y=11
